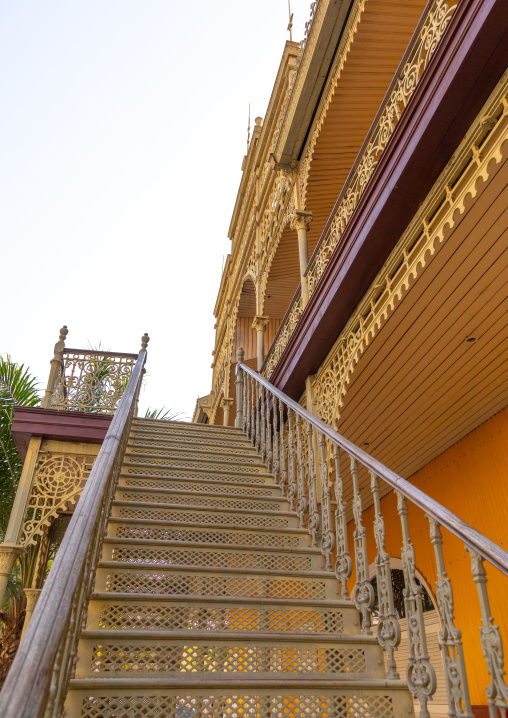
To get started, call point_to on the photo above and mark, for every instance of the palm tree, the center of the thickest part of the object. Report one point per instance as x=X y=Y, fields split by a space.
x=17 y=387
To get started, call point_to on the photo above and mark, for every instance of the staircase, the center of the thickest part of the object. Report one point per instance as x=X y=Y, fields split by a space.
x=210 y=602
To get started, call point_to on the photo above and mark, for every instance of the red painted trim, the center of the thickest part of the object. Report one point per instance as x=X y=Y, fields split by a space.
x=480 y=711
x=464 y=70
x=61 y=425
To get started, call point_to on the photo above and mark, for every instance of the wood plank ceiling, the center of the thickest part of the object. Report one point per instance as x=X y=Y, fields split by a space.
x=421 y=386
x=383 y=34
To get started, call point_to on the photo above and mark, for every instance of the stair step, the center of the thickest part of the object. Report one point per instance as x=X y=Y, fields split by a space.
x=231 y=477
x=196 y=498
x=213 y=446
x=246 y=697
x=135 y=654
x=248 y=457
x=189 y=483
x=181 y=531
x=159 y=612
x=153 y=459
x=239 y=439
x=218 y=555
x=204 y=515
x=185 y=426
x=113 y=576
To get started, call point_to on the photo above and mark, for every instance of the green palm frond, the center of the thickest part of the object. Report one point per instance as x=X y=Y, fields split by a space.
x=162 y=414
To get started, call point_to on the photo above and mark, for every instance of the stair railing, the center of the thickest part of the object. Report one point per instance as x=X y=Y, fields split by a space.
x=37 y=682
x=288 y=439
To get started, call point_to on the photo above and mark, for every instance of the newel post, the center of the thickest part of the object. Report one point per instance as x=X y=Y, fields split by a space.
x=240 y=388
x=56 y=363
x=144 y=343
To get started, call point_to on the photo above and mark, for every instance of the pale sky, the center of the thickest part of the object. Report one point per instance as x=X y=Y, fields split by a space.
x=123 y=125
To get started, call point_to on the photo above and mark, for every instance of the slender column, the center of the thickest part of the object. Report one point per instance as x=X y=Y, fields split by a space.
x=492 y=643
x=421 y=679
x=343 y=564
x=301 y=223
x=283 y=476
x=263 y=423
x=239 y=384
x=248 y=409
x=291 y=460
x=257 y=442
x=226 y=405
x=269 y=452
x=301 y=504
x=327 y=535
x=56 y=364
x=259 y=324
x=450 y=641
x=364 y=594
x=388 y=627
x=314 y=518
x=253 y=395
x=276 y=453
x=32 y=596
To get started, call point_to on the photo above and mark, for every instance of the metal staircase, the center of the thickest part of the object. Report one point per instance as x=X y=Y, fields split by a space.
x=209 y=600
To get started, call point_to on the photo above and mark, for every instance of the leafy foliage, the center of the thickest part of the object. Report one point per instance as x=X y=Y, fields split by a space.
x=162 y=414
x=17 y=387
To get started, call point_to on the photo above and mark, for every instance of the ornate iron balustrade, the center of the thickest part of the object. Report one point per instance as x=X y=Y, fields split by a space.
x=87 y=380
x=431 y=29
x=36 y=685
x=308 y=459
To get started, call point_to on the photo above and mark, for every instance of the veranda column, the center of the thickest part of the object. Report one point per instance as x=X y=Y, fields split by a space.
x=56 y=363
x=301 y=223
x=226 y=406
x=259 y=324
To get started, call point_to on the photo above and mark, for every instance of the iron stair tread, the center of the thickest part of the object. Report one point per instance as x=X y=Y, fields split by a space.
x=213 y=509
x=193 y=525
x=186 y=426
x=211 y=451
x=221 y=459
x=294 y=550
x=191 y=480
x=234 y=439
x=228 y=472
x=238 y=636
x=276 y=603
x=183 y=492
x=230 y=570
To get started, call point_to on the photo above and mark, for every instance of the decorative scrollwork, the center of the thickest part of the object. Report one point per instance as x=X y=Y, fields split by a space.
x=343 y=564
x=388 y=627
x=92 y=381
x=490 y=638
x=57 y=485
x=364 y=594
x=421 y=678
x=450 y=636
x=314 y=524
x=327 y=535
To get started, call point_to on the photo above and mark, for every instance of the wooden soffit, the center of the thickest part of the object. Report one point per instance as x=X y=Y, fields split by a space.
x=321 y=44
x=465 y=68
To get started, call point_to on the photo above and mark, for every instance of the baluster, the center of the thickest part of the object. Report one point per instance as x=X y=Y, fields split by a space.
x=491 y=641
x=240 y=391
x=263 y=423
x=449 y=635
x=253 y=411
x=314 y=517
x=327 y=536
x=364 y=594
x=248 y=389
x=282 y=460
x=276 y=453
x=269 y=454
x=245 y=402
x=301 y=504
x=258 y=418
x=421 y=678
x=343 y=564
x=388 y=627
x=291 y=460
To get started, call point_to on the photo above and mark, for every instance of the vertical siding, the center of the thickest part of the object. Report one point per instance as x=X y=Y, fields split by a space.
x=470 y=479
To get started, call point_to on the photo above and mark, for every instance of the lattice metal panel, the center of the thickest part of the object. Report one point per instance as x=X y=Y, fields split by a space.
x=208 y=501
x=129 y=657
x=157 y=617
x=201 y=441
x=207 y=536
x=204 y=487
x=187 y=445
x=152 y=471
x=154 y=448
x=203 y=517
x=205 y=585
x=242 y=706
x=188 y=463
x=218 y=559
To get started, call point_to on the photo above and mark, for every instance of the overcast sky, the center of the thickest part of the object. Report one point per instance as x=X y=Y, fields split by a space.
x=123 y=127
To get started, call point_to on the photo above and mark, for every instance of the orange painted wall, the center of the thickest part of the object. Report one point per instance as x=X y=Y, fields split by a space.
x=471 y=479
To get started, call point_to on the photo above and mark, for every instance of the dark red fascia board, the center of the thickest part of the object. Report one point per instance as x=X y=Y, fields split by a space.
x=61 y=425
x=465 y=68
